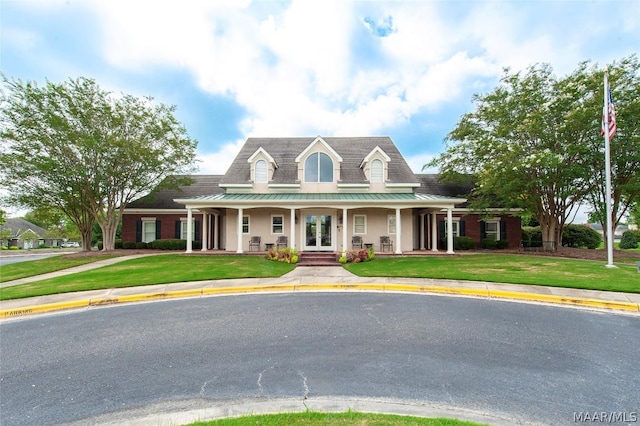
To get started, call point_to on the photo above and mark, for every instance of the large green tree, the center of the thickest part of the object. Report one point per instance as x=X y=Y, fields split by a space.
x=624 y=79
x=534 y=142
x=87 y=151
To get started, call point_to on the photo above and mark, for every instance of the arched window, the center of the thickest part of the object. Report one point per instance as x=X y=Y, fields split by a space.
x=377 y=171
x=261 y=172
x=318 y=168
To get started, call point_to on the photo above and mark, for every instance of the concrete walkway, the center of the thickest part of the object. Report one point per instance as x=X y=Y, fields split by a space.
x=310 y=279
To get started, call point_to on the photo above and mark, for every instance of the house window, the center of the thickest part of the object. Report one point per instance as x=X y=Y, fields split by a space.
x=245 y=224
x=455 y=227
x=148 y=230
x=391 y=224
x=261 y=175
x=318 y=168
x=377 y=171
x=277 y=224
x=492 y=229
x=359 y=224
x=183 y=229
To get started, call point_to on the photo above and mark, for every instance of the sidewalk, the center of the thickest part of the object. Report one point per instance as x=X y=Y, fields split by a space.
x=309 y=279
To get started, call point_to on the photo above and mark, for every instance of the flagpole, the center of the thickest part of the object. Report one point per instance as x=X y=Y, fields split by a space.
x=607 y=160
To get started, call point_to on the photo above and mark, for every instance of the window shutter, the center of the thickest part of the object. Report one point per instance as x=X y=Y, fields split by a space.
x=483 y=230
x=461 y=228
x=196 y=230
x=441 y=229
x=138 y=230
x=158 y=233
x=503 y=230
x=178 y=230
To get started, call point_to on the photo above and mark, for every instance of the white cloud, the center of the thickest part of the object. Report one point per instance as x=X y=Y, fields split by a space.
x=295 y=69
x=218 y=163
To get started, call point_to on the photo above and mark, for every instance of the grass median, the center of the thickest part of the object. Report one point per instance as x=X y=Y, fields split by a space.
x=152 y=270
x=507 y=268
x=349 y=418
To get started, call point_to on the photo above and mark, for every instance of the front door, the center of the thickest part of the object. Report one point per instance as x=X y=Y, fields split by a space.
x=318 y=231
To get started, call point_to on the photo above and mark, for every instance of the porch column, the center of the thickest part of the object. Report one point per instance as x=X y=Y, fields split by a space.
x=189 y=230
x=239 y=230
x=434 y=231
x=292 y=229
x=422 y=231
x=205 y=228
x=449 y=231
x=398 y=232
x=345 y=227
x=216 y=217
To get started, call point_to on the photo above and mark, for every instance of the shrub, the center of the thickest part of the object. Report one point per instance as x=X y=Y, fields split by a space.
x=5 y=248
x=531 y=236
x=142 y=245
x=502 y=244
x=489 y=243
x=286 y=255
x=128 y=245
x=580 y=236
x=357 y=256
x=629 y=240
x=14 y=248
x=463 y=243
x=100 y=245
x=118 y=244
x=173 y=244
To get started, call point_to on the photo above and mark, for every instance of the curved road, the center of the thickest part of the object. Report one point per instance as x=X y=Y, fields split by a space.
x=513 y=362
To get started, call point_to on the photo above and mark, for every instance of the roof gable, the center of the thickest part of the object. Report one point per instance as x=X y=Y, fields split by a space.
x=352 y=151
x=312 y=146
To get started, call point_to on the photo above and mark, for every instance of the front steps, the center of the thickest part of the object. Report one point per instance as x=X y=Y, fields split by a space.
x=318 y=259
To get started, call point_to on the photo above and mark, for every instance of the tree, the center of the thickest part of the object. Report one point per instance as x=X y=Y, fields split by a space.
x=624 y=77
x=522 y=144
x=3 y=217
x=87 y=152
x=534 y=142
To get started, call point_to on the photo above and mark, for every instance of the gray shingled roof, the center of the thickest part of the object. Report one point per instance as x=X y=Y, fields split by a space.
x=18 y=225
x=163 y=199
x=352 y=150
x=430 y=184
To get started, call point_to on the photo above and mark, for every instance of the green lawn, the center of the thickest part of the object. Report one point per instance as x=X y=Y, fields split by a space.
x=15 y=271
x=507 y=268
x=349 y=418
x=152 y=270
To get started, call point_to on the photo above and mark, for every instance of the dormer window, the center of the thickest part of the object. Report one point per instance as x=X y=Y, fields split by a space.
x=377 y=171
x=318 y=167
x=375 y=165
x=262 y=175
x=263 y=166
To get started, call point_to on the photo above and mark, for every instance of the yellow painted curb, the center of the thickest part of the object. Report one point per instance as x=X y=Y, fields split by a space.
x=28 y=310
x=566 y=300
x=403 y=288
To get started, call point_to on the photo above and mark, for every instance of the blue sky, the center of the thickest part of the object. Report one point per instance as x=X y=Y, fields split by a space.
x=237 y=68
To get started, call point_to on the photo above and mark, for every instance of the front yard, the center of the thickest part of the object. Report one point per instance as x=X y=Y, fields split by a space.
x=507 y=268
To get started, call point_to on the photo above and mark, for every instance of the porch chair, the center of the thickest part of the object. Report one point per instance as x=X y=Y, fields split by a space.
x=356 y=242
x=254 y=243
x=386 y=242
x=281 y=242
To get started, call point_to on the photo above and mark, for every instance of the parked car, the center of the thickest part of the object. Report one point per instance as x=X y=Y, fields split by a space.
x=70 y=244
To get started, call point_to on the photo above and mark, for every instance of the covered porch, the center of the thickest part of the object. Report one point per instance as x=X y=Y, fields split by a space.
x=322 y=222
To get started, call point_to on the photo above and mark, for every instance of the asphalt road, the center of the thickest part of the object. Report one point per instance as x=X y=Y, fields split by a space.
x=15 y=258
x=521 y=362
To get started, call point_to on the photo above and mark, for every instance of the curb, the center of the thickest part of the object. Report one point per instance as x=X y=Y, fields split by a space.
x=322 y=287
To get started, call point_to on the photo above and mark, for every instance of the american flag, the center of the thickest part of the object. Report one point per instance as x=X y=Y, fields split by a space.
x=611 y=116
